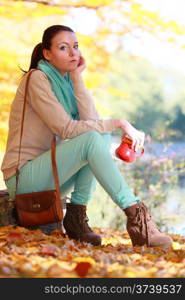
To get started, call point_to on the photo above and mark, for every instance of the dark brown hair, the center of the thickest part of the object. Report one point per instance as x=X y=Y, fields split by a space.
x=48 y=34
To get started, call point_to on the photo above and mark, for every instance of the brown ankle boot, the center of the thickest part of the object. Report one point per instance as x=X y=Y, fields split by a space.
x=76 y=226
x=142 y=230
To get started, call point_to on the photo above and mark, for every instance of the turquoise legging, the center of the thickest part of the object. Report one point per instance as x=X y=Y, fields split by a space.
x=80 y=161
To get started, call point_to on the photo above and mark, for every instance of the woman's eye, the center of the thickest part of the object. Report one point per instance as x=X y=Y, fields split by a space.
x=63 y=48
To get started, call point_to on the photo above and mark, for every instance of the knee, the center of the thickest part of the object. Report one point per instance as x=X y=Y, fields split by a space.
x=97 y=142
x=96 y=137
x=93 y=135
x=107 y=138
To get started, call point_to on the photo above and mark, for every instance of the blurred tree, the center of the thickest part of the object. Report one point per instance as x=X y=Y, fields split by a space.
x=178 y=124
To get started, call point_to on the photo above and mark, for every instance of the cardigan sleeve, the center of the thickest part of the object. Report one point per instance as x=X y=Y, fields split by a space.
x=45 y=104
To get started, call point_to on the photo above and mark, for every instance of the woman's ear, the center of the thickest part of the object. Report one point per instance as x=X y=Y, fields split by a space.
x=46 y=54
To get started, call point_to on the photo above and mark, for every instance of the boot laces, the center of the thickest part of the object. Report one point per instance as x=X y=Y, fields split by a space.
x=84 y=222
x=142 y=221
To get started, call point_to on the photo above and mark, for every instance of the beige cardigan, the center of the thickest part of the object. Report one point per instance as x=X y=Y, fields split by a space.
x=44 y=116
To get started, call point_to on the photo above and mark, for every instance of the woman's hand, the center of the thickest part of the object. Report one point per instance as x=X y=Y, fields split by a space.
x=81 y=66
x=136 y=136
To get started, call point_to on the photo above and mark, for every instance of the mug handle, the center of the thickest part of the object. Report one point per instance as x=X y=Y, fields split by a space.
x=142 y=152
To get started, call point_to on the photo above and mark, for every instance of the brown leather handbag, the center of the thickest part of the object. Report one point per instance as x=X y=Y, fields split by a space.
x=38 y=208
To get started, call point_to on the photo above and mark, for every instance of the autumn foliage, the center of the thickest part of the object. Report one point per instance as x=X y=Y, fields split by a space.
x=31 y=253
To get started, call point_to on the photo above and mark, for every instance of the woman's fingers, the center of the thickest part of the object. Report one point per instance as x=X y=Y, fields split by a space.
x=136 y=147
x=136 y=136
x=142 y=138
x=134 y=143
x=137 y=140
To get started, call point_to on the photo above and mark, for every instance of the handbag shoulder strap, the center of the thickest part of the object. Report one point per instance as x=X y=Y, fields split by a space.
x=22 y=122
x=53 y=147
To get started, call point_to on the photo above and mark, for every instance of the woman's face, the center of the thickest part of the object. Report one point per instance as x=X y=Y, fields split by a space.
x=64 y=53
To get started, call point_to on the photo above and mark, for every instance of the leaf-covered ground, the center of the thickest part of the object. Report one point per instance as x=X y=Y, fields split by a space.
x=31 y=253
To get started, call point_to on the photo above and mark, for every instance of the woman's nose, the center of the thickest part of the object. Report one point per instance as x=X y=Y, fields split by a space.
x=71 y=51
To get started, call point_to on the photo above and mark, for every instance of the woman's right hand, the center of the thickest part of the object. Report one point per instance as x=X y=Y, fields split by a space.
x=76 y=73
x=136 y=136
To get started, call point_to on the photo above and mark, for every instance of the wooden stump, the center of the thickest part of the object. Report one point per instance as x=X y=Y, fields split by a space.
x=7 y=209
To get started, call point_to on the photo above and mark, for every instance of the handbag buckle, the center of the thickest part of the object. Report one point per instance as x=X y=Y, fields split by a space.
x=36 y=205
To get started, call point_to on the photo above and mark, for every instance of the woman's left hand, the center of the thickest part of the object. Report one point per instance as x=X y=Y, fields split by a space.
x=136 y=136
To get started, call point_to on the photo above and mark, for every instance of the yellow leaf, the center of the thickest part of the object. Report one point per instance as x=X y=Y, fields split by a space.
x=176 y=246
x=112 y=241
x=85 y=259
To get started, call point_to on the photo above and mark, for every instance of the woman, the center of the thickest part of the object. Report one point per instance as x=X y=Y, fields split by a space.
x=58 y=103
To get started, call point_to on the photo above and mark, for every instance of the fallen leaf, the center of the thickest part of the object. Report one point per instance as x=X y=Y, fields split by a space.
x=176 y=246
x=14 y=237
x=82 y=268
x=48 y=250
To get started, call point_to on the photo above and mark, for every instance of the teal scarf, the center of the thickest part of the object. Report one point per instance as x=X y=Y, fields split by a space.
x=62 y=88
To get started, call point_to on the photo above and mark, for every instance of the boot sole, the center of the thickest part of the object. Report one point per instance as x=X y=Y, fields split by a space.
x=72 y=236
x=135 y=243
x=163 y=247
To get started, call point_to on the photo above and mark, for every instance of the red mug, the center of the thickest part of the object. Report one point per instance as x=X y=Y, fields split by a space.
x=125 y=151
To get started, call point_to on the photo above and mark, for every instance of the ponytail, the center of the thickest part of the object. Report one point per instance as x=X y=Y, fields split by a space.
x=36 y=56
